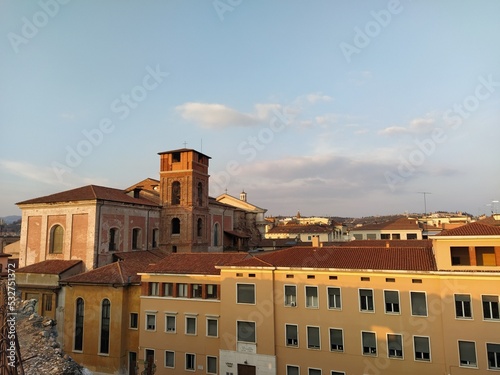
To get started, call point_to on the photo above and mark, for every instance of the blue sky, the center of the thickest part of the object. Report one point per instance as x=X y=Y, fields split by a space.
x=342 y=108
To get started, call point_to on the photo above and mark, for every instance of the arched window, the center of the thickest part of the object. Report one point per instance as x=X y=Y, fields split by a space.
x=80 y=310
x=114 y=237
x=176 y=225
x=56 y=239
x=105 y=318
x=199 y=227
x=176 y=193
x=200 y=194
x=216 y=234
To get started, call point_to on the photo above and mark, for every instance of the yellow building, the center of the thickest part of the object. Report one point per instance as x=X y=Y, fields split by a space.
x=328 y=310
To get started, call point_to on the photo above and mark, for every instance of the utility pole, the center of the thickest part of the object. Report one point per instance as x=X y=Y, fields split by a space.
x=425 y=200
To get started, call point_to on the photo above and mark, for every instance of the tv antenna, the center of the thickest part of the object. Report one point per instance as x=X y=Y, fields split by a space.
x=425 y=200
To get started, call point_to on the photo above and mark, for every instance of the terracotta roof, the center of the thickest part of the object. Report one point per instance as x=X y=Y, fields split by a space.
x=237 y=233
x=472 y=229
x=385 y=243
x=294 y=228
x=195 y=263
x=361 y=258
x=490 y=220
x=90 y=193
x=147 y=256
x=53 y=267
x=183 y=150
x=397 y=224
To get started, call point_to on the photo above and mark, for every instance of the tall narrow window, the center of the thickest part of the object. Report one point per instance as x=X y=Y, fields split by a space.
x=334 y=301
x=216 y=234
x=200 y=194
x=313 y=338
x=182 y=290
x=369 y=342
x=80 y=309
x=394 y=346
x=418 y=303
x=391 y=298
x=105 y=321
x=211 y=365
x=113 y=239
x=199 y=227
x=56 y=239
x=463 y=306
x=154 y=238
x=136 y=238
x=290 y=295
x=467 y=353
x=422 y=348
x=211 y=291
x=312 y=296
x=493 y=356
x=176 y=225
x=292 y=335
x=176 y=193
x=490 y=307
x=366 y=300
x=336 y=340
x=190 y=361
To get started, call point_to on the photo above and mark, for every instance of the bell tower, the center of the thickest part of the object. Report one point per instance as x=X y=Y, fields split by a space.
x=185 y=217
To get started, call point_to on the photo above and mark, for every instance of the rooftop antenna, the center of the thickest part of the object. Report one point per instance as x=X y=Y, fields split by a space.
x=201 y=144
x=425 y=200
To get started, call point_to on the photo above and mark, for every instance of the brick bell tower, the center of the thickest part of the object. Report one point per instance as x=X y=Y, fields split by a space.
x=185 y=217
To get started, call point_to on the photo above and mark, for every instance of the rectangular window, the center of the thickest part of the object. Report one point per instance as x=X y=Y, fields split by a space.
x=197 y=290
x=170 y=323
x=485 y=256
x=149 y=354
x=418 y=303
x=245 y=293
x=212 y=327
x=459 y=256
x=337 y=373
x=314 y=371
x=334 y=301
x=391 y=298
x=422 y=348
x=190 y=361
x=385 y=236
x=47 y=300
x=369 y=342
x=396 y=236
x=150 y=322
x=292 y=370
x=182 y=290
x=463 y=306
x=169 y=359
x=490 y=307
x=312 y=296
x=394 y=346
x=212 y=291
x=366 y=300
x=292 y=336
x=211 y=365
x=290 y=295
x=246 y=331
x=190 y=325
x=134 y=320
x=168 y=289
x=313 y=338
x=411 y=236
x=336 y=340
x=493 y=351
x=467 y=353
x=154 y=289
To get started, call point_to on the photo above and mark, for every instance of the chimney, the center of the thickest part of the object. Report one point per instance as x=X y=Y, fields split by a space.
x=315 y=241
x=387 y=244
x=137 y=192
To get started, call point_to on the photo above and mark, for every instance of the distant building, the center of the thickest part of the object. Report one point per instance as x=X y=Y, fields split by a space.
x=398 y=229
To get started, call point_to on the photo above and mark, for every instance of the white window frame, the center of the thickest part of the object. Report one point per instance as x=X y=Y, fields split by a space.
x=392 y=304
x=165 y=359
x=293 y=300
x=146 y=322
x=497 y=367
x=367 y=304
x=460 y=358
x=216 y=364
x=370 y=354
x=216 y=322
x=182 y=286
x=167 y=316
x=395 y=355
x=330 y=339
x=309 y=369
x=426 y=303
x=319 y=337
x=491 y=311
x=254 y=327
x=292 y=366
x=186 y=362
x=470 y=306
x=130 y=320
x=339 y=302
x=238 y=294
x=195 y=325
x=312 y=306
x=415 y=349
x=292 y=345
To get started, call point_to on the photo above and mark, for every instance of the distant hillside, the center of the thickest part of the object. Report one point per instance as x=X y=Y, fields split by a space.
x=10 y=219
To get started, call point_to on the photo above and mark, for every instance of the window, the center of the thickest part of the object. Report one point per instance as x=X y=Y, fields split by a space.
x=216 y=234
x=365 y=279
x=168 y=289
x=136 y=238
x=411 y=236
x=467 y=353
x=154 y=289
x=56 y=239
x=199 y=227
x=105 y=322
x=493 y=351
x=79 y=315
x=170 y=324
x=337 y=373
x=246 y=331
x=313 y=338
x=366 y=300
x=314 y=371
x=334 y=301
x=422 y=348
x=369 y=342
x=176 y=226
x=200 y=194
x=113 y=239
x=290 y=295
x=211 y=365
x=176 y=157
x=150 y=322
x=418 y=304
x=245 y=293
x=134 y=320
x=169 y=359
x=182 y=290
x=396 y=236
x=212 y=327
x=463 y=306
x=176 y=193
x=292 y=336
x=154 y=238
x=292 y=370
x=190 y=325
x=459 y=256
x=197 y=290
x=391 y=298
x=394 y=346
x=485 y=256
x=149 y=354
x=212 y=291
x=190 y=361
x=385 y=236
x=336 y=340
x=312 y=297
x=47 y=301
x=490 y=307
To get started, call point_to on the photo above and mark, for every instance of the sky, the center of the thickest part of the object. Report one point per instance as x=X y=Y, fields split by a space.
x=330 y=108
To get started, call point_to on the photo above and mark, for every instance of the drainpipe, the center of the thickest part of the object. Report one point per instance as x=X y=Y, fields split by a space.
x=98 y=227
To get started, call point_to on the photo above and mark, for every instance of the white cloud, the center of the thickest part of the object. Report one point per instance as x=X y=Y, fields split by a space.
x=318 y=97
x=419 y=125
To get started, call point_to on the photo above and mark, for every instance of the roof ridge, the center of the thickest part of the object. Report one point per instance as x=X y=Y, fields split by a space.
x=120 y=271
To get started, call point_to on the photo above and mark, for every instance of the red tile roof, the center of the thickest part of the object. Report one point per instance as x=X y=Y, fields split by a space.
x=52 y=267
x=294 y=228
x=402 y=223
x=472 y=229
x=90 y=193
x=195 y=263
x=361 y=258
x=385 y=243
